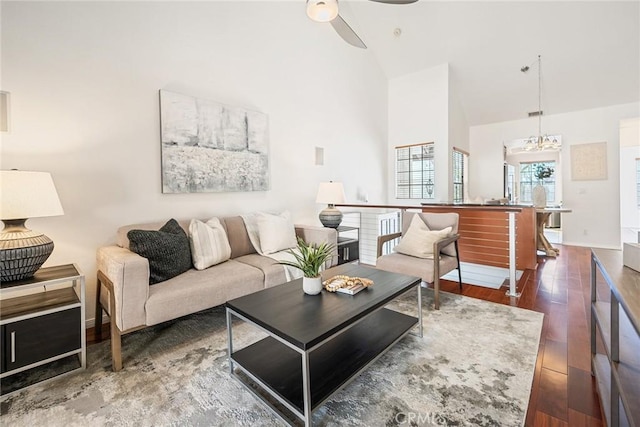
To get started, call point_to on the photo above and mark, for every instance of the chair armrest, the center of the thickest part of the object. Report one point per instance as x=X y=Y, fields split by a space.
x=437 y=248
x=128 y=276
x=384 y=239
x=318 y=235
x=442 y=243
x=437 y=245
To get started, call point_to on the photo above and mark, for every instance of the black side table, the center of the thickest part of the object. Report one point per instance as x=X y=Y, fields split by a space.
x=41 y=322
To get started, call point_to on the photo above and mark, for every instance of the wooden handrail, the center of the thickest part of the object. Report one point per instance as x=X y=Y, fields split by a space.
x=443 y=206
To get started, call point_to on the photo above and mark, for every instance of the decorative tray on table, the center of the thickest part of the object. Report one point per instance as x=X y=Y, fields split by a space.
x=346 y=284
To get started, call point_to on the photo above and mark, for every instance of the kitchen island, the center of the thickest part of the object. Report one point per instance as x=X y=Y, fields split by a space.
x=502 y=236
x=484 y=233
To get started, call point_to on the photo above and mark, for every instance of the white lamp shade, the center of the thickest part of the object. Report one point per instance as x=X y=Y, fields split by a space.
x=322 y=10
x=26 y=195
x=330 y=193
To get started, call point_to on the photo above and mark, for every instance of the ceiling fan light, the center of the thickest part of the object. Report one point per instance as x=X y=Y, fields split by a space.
x=322 y=10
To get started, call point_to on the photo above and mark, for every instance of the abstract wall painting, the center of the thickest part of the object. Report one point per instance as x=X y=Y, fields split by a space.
x=589 y=161
x=210 y=147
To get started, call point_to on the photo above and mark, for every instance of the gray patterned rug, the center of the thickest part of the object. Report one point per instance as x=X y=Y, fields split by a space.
x=474 y=366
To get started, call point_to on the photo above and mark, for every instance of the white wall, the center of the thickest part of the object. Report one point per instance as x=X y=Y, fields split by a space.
x=84 y=80
x=458 y=133
x=595 y=220
x=418 y=112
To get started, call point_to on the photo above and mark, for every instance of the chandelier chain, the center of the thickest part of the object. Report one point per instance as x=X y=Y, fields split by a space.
x=539 y=142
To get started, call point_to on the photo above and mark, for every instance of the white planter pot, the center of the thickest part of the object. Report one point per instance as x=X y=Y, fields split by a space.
x=539 y=196
x=312 y=285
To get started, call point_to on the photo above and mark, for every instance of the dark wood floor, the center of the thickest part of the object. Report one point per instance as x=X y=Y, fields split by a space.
x=563 y=393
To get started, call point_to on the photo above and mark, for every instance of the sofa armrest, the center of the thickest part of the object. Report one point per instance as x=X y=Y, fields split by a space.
x=128 y=274
x=317 y=235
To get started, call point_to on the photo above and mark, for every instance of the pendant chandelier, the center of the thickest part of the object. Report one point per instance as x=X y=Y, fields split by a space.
x=540 y=142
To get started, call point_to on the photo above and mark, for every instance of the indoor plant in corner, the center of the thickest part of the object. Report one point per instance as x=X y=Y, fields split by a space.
x=310 y=259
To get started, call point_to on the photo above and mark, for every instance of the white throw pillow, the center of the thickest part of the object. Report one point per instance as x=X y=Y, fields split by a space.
x=418 y=240
x=209 y=243
x=276 y=232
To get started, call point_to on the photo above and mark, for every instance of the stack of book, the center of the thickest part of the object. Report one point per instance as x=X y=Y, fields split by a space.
x=347 y=285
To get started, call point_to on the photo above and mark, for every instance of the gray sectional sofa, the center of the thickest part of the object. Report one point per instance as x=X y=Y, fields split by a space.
x=131 y=303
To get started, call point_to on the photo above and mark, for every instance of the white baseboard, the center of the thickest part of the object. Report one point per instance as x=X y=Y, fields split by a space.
x=592 y=245
x=90 y=323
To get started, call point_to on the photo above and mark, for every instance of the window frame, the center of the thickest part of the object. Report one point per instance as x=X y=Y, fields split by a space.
x=415 y=171
x=527 y=184
x=459 y=174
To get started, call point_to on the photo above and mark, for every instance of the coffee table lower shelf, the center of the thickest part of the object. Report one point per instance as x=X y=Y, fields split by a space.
x=332 y=364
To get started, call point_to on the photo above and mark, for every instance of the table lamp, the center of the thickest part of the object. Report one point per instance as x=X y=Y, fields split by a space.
x=24 y=195
x=330 y=193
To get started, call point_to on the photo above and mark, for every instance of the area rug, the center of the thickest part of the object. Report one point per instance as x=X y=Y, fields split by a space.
x=473 y=366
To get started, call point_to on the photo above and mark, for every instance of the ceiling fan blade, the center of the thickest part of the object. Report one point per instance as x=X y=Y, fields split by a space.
x=347 y=33
x=395 y=1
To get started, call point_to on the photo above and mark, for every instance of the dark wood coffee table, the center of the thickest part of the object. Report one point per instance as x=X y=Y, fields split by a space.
x=317 y=344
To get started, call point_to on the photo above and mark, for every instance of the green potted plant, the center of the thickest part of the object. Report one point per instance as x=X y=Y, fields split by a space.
x=310 y=259
x=542 y=172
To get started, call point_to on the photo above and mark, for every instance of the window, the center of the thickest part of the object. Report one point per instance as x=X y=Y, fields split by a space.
x=459 y=174
x=528 y=181
x=414 y=172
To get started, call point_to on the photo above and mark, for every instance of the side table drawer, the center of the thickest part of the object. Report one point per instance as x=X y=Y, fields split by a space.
x=32 y=340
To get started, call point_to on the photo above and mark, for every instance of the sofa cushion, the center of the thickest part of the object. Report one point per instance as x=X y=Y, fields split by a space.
x=418 y=240
x=276 y=232
x=209 y=243
x=167 y=250
x=238 y=236
x=197 y=290
x=122 y=239
x=274 y=273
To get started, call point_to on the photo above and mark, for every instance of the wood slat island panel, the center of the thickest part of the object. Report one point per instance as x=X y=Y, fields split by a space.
x=484 y=233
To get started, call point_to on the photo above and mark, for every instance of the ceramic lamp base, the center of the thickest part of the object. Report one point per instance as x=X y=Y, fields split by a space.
x=330 y=217
x=22 y=251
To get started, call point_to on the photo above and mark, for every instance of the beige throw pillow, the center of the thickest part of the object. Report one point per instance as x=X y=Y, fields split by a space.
x=418 y=240
x=209 y=243
x=276 y=232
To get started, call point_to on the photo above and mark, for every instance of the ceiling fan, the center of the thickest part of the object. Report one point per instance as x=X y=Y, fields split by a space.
x=327 y=11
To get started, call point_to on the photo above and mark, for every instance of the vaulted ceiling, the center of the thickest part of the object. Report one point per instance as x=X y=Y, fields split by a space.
x=590 y=51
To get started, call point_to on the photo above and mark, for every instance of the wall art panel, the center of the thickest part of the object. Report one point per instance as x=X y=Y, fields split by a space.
x=210 y=147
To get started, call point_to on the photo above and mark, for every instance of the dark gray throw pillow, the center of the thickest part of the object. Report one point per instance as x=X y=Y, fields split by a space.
x=167 y=250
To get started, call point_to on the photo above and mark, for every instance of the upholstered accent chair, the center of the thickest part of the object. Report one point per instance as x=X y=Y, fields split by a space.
x=429 y=263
